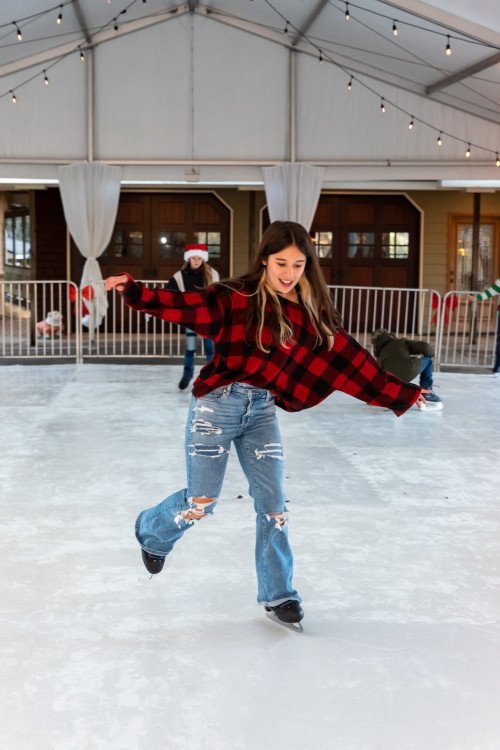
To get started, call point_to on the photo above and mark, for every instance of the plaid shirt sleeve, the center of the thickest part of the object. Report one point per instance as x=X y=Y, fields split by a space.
x=199 y=311
x=359 y=375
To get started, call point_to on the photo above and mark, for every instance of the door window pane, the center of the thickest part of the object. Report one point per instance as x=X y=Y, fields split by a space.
x=323 y=242
x=361 y=245
x=27 y=242
x=211 y=240
x=171 y=246
x=17 y=241
x=127 y=244
x=9 y=241
x=464 y=256
x=395 y=245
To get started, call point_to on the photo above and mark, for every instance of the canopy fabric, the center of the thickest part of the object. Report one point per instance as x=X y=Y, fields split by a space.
x=187 y=93
x=292 y=192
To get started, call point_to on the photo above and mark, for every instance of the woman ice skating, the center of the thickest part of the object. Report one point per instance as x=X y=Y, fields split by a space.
x=195 y=274
x=278 y=342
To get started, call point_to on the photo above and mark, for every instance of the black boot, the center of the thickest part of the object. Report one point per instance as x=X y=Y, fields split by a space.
x=153 y=563
x=187 y=376
x=289 y=613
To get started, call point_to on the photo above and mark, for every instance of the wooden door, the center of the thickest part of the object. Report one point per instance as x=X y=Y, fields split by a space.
x=367 y=241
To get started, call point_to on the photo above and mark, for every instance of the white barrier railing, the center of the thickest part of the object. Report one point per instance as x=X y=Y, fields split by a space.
x=412 y=313
x=461 y=330
x=468 y=330
x=22 y=305
x=127 y=333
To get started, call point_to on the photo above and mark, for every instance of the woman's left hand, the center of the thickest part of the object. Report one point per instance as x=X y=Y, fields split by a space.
x=421 y=402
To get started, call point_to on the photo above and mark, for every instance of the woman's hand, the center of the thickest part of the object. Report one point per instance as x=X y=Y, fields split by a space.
x=116 y=282
x=421 y=402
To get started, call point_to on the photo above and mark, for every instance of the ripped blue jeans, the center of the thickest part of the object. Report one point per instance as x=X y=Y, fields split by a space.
x=245 y=416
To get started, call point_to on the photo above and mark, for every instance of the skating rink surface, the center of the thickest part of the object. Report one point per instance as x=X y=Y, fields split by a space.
x=395 y=530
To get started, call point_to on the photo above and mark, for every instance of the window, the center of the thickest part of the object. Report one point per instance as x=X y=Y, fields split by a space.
x=17 y=241
x=323 y=242
x=126 y=244
x=361 y=245
x=171 y=246
x=395 y=245
x=211 y=240
x=464 y=256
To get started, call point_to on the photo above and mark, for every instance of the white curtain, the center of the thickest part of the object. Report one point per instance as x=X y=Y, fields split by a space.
x=292 y=192
x=90 y=194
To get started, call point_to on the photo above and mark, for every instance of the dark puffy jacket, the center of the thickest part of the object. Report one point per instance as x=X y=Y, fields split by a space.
x=399 y=356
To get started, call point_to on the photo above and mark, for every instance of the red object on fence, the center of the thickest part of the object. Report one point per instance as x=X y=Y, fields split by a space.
x=87 y=293
x=447 y=306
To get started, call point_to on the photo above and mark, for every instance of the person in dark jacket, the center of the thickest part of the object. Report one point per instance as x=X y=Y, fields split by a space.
x=193 y=275
x=406 y=359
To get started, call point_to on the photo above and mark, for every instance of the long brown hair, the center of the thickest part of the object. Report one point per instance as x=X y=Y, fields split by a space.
x=314 y=292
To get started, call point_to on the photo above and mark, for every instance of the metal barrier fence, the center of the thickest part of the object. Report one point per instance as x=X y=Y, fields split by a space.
x=468 y=331
x=23 y=304
x=461 y=330
x=412 y=313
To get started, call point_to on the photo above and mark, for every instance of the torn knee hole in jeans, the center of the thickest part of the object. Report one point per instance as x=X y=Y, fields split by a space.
x=270 y=450
x=280 y=519
x=196 y=511
x=208 y=451
x=201 y=425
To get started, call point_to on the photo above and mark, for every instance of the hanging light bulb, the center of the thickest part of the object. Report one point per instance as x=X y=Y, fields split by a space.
x=497 y=161
x=116 y=25
x=82 y=55
x=448 y=48
x=45 y=79
x=439 y=139
x=13 y=96
x=347 y=15
x=467 y=153
x=18 y=31
x=394 y=28
x=382 y=105
x=412 y=123
x=349 y=85
x=320 y=57
x=286 y=28
x=59 y=17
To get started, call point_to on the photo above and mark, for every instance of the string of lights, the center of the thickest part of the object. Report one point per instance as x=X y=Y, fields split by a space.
x=19 y=22
x=384 y=101
x=78 y=48
x=413 y=56
x=288 y=26
x=397 y=23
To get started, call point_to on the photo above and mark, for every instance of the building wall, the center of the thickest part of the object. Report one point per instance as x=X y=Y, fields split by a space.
x=49 y=230
x=437 y=208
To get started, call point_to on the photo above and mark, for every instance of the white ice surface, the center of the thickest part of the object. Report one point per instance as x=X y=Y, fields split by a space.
x=395 y=529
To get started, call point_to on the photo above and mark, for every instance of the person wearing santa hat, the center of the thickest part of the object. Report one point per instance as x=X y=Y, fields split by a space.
x=194 y=274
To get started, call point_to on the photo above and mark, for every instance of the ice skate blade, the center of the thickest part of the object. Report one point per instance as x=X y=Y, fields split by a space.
x=432 y=406
x=296 y=626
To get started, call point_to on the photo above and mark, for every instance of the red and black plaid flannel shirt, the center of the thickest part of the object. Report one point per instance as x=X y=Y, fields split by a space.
x=299 y=376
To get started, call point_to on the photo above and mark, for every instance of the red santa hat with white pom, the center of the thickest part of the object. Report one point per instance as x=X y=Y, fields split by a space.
x=196 y=251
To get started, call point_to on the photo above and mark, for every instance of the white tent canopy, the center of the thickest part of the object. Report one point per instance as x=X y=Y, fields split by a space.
x=202 y=94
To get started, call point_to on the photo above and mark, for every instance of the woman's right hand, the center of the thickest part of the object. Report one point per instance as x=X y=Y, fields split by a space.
x=116 y=282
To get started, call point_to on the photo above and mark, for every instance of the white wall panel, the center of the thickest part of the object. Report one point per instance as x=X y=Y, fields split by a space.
x=241 y=94
x=334 y=123
x=142 y=99
x=47 y=121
